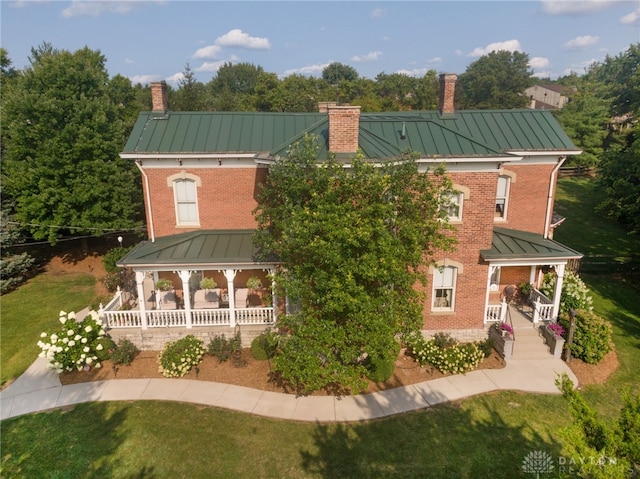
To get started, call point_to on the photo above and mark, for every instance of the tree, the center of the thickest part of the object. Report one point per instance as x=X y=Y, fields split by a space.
x=14 y=266
x=233 y=87
x=65 y=122
x=496 y=81
x=336 y=72
x=619 y=174
x=603 y=451
x=353 y=244
x=191 y=94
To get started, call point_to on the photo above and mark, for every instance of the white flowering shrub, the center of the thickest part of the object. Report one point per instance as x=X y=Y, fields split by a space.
x=75 y=345
x=574 y=295
x=455 y=358
x=178 y=357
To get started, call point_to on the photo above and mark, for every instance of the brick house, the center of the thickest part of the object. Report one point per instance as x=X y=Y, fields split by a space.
x=201 y=172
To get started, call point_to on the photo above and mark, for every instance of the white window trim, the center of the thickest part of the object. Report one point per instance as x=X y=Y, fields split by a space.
x=171 y=182
x=462 y=193
x=457 y=270
x=510 y=178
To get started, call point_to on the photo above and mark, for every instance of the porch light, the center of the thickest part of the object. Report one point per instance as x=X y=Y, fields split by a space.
x=120 y=241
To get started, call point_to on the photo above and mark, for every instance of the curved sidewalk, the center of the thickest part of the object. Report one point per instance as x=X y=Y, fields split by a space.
x=40 y=389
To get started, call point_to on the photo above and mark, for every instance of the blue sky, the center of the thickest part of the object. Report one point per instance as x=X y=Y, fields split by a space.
x=154 y=40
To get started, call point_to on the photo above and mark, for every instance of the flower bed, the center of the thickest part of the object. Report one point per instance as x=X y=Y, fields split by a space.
x=552 y=334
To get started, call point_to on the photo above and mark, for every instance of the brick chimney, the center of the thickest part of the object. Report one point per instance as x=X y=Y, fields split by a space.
x=344 y=126
x=159 y=100
x=447 y=92
x=323 y=106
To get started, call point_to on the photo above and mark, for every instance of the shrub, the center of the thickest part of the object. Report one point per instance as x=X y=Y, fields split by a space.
x=112 y=256
x=575 y=294
x=591 y=336
x=75 y=345
x=108 y=346
x=265 y=345
x=208 y=283
x=178 y=357
x=444 y=340
x=381 y=368
x=164 y=285
x=486 y=346
x=124 y=353
x=223 y=348
x=254 y=283
x=455 y=358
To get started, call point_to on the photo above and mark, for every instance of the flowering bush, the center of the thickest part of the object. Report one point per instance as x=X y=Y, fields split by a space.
x=75 y=345
x=592 y=336
x=574 y=295
x=456 y=358
x=180 y=356
x=506 y=327
x=557 y=329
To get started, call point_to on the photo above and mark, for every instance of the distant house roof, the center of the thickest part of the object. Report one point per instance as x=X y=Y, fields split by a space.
x=514 y=245
x=468 y=133
x=215 y=248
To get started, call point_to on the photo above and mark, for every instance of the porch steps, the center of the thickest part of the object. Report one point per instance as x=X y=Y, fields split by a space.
x=529 y=344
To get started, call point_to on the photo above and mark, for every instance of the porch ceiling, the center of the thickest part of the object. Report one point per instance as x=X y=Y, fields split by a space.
x=513 y=245
x=204 y=248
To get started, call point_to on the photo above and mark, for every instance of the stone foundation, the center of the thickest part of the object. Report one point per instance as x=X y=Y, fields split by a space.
x=154 y=339
x=462 y=335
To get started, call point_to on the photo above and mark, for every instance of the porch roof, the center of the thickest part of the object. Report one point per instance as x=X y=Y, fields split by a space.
x=197 y=249
x=514 y=245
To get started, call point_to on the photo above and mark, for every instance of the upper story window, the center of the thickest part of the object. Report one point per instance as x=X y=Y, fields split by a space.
x=453 y=203
x=185 y=196
x=502 y=197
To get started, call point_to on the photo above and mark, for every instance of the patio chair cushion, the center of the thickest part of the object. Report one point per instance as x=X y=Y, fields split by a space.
x=206 y=299
x=242 y=297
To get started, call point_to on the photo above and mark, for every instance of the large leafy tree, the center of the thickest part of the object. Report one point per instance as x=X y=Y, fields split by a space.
x=336 y=72
x=353 y=243
x=64 y=123
x=191 y=94
x=496 y=81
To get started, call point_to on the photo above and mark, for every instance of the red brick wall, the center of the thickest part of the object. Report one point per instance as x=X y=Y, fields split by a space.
x=528 y=197
x=344 y=124
x=226 y=198
x=474 y=233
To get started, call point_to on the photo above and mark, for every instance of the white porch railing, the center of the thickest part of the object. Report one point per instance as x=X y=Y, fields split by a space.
x=542 y=306
x=210 y=317
x=166 y=318
x=254 y=316
x=495 y=312
x=122 y=319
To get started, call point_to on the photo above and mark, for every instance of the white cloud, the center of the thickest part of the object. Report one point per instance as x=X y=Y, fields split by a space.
x=509 y=45
x=215 y=66
x=434 y=61
x=175 y=78
x=581 y=42
x=144 y=79
x=128 y=61
x=377 y=13
x=239 y=39
x=212 y=51
x=80 y=8
x=369 y=57
x=579 y=68
x=416 y=72
x=542 y=74
x=539 y=62
x=575 y=7
x=308 y=70
x=632 y=18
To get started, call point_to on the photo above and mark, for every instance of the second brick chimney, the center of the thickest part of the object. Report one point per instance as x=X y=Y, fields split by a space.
x=344 y=127
x=159 y=100
x=447 y=92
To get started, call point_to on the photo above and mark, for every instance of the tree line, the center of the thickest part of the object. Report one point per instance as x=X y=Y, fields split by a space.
x=65 y=120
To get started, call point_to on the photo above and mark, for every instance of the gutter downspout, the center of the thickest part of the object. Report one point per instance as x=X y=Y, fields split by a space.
x=148 y=201
x=552 y=182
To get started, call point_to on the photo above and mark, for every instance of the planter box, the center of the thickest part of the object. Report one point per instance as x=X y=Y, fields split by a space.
x=502 y=344
x=555 y=343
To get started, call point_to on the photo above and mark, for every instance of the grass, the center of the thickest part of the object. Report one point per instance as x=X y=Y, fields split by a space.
x=484 y=436
x=34 y=308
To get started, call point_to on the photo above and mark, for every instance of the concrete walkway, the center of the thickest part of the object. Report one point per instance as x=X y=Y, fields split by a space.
x=40 y=389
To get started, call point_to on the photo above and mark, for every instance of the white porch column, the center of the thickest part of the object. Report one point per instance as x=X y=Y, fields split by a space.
x=230 y=274
x=557 y=290
x=532 y=274
x=487 y=291
x=142 y=304
x=274 y=297
x=186 y=294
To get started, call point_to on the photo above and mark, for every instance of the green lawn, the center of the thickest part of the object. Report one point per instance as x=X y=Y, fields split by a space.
x=483 y=437
x=34 y=308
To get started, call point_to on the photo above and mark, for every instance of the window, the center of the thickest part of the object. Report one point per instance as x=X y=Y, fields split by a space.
x=186 y=204
x=452 y=204
x=502 y=197
x=494 y=282
x=444 y=288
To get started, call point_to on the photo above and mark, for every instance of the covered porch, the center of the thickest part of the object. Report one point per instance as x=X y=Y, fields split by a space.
x=197 y=279
x=518 y=257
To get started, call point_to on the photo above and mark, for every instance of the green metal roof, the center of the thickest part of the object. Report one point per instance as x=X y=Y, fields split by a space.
x=468 y=133
x=197 y=248
x=508 y=244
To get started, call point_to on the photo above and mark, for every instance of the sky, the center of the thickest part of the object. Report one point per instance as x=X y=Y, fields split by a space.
x=154 y=40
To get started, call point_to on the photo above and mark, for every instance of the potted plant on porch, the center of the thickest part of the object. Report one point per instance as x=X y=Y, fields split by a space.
x=255 y=287
x=208 y=283
x=164 y=285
